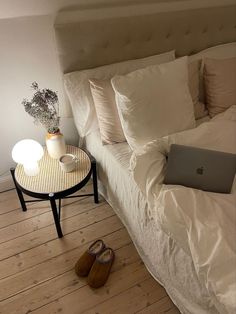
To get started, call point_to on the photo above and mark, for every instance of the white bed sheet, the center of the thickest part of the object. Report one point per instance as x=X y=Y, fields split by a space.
x=202 y=223
x=167 y=262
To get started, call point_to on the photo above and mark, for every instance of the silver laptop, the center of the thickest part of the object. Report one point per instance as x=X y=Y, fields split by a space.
x=202 y=169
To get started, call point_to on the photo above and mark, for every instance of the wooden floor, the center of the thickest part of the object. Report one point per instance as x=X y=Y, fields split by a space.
x=37 y=269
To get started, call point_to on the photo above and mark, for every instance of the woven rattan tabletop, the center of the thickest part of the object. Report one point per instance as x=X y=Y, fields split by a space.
x=51 y=178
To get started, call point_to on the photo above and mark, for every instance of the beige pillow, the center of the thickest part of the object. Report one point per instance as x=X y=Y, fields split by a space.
x=107 y=113
x=224 y=51
x=220 y=84
x=193 y=79
x=200 y=110
x=193 y=83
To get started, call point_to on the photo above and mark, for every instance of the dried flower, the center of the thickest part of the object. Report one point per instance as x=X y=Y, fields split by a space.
x=43 y=107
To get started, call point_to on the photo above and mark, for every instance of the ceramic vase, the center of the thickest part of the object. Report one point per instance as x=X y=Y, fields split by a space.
x=56 y=145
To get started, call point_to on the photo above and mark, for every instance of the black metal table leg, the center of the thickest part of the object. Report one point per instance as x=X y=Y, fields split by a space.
x=59 y=209
x=20 y=194
x=55 y=215
x=95 y=183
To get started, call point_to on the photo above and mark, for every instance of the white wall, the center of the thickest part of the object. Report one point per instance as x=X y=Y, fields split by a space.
x=27 y=54
x=16 y=8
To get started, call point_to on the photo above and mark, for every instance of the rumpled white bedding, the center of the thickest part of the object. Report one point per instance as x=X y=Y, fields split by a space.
x=166 y=261
x=202 y=223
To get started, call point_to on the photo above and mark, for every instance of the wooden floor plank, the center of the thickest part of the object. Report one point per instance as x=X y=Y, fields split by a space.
x=47 y=270
x=48 y=233
x=57 y=246
x=37 y=269
x=163 y=306
x=18 y=215
x=44 y=219
x=136 y=298
x=122 y=279
x=66 y=280
x=35 y=209
x=9 y=202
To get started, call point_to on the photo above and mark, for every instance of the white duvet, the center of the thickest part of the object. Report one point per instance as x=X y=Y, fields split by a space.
x=202 y=223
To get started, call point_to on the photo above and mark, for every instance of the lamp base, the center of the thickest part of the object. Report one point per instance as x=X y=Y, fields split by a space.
x=31 y=168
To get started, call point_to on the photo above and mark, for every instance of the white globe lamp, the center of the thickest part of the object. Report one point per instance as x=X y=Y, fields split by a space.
x=28 y=153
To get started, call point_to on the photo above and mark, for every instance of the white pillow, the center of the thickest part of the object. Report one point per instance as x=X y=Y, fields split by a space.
x=78 y=88
x=154 y=102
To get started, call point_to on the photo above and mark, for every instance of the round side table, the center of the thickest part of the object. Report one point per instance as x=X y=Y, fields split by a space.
x=52 y=183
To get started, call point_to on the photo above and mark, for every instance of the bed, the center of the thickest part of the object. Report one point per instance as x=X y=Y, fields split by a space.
x=97 y=38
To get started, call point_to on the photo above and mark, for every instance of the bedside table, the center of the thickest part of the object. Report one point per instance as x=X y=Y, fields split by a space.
x=52 y=183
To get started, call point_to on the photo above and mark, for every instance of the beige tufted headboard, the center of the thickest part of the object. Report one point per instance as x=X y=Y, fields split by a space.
x=90 y=43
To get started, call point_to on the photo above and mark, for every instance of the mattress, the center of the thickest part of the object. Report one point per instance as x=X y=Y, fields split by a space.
x=166 y=262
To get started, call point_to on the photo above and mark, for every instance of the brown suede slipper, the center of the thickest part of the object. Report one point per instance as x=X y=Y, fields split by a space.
x=101 y=268
x=85 y=262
